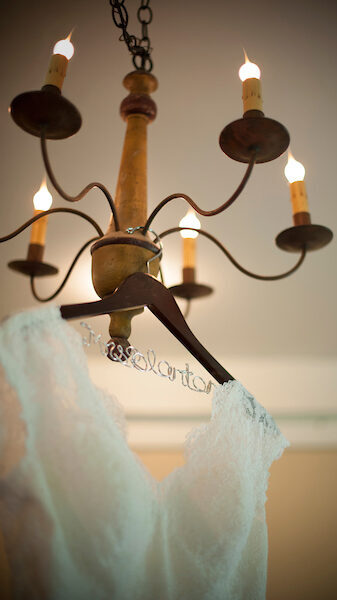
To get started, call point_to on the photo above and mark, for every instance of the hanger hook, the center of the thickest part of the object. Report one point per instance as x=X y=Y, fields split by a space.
x=156 y=238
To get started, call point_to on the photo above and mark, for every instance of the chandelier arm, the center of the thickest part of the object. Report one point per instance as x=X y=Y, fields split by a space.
x=200 y=211
x=62 y=284
x=232 y=259
x=49 y=212
x=85 y=190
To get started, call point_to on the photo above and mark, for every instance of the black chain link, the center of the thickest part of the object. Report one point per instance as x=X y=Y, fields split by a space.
x=140 y=48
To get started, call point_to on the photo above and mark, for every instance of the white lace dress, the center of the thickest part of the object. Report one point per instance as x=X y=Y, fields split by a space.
x=81 y=518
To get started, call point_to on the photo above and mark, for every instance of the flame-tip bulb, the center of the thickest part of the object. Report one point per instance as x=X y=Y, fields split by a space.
x=43 y=199
x=64 y=47
x=189 y=220
x=294 y=170
x=249 y=70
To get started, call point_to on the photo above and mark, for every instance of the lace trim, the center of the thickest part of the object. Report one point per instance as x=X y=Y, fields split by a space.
x=30 y=317
x=252 y=408
x=230 y=402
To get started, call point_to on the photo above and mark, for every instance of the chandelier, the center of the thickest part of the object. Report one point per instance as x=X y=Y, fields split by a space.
x=131 y=243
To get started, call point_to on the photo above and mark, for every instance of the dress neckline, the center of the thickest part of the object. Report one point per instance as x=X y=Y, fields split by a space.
x=231 y=392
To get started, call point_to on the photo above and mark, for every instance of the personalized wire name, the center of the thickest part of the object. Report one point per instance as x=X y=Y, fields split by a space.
x=131 y=357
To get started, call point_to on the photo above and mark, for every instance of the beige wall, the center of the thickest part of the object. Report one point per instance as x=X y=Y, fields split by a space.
x=302 y=521
x=301 y=513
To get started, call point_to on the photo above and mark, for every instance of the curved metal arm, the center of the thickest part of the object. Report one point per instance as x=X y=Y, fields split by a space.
x=85 y=190
x=61 y=286
x=49 y=212
x=200 y=211
x=232 y=259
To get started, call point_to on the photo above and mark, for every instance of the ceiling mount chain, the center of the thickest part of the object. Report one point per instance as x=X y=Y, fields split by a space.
x=140 y=48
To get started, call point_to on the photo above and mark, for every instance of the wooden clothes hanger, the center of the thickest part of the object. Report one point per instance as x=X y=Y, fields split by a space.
x=142 y=289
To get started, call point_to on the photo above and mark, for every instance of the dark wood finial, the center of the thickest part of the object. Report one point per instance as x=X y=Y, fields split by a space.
x=140 y=85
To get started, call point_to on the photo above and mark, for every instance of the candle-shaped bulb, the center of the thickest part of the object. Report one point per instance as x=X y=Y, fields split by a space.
x=189 y=245
x=249 y=70
x=64 y=47
x=62 y=53
x=250 y=74
x=189 y=220
x=43 y=199
x=294 y=170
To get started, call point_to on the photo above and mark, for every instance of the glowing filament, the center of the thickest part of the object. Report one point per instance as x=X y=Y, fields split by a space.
x=64 y=47
x=189 y=220
x=294 y=170
x=249 y=70
x=43 y=199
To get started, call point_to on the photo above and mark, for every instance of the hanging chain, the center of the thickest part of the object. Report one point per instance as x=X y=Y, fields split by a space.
x=140 y=48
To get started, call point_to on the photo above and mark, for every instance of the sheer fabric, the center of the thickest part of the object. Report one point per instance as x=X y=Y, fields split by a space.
x=81 y=517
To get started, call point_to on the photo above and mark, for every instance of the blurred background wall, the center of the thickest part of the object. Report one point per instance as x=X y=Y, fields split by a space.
x=301 y=517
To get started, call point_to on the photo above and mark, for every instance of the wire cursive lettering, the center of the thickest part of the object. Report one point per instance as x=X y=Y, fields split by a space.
x=131 y=357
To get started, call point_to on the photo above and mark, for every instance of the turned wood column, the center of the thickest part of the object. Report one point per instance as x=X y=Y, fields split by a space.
x=138 y=110
x=119 y=254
